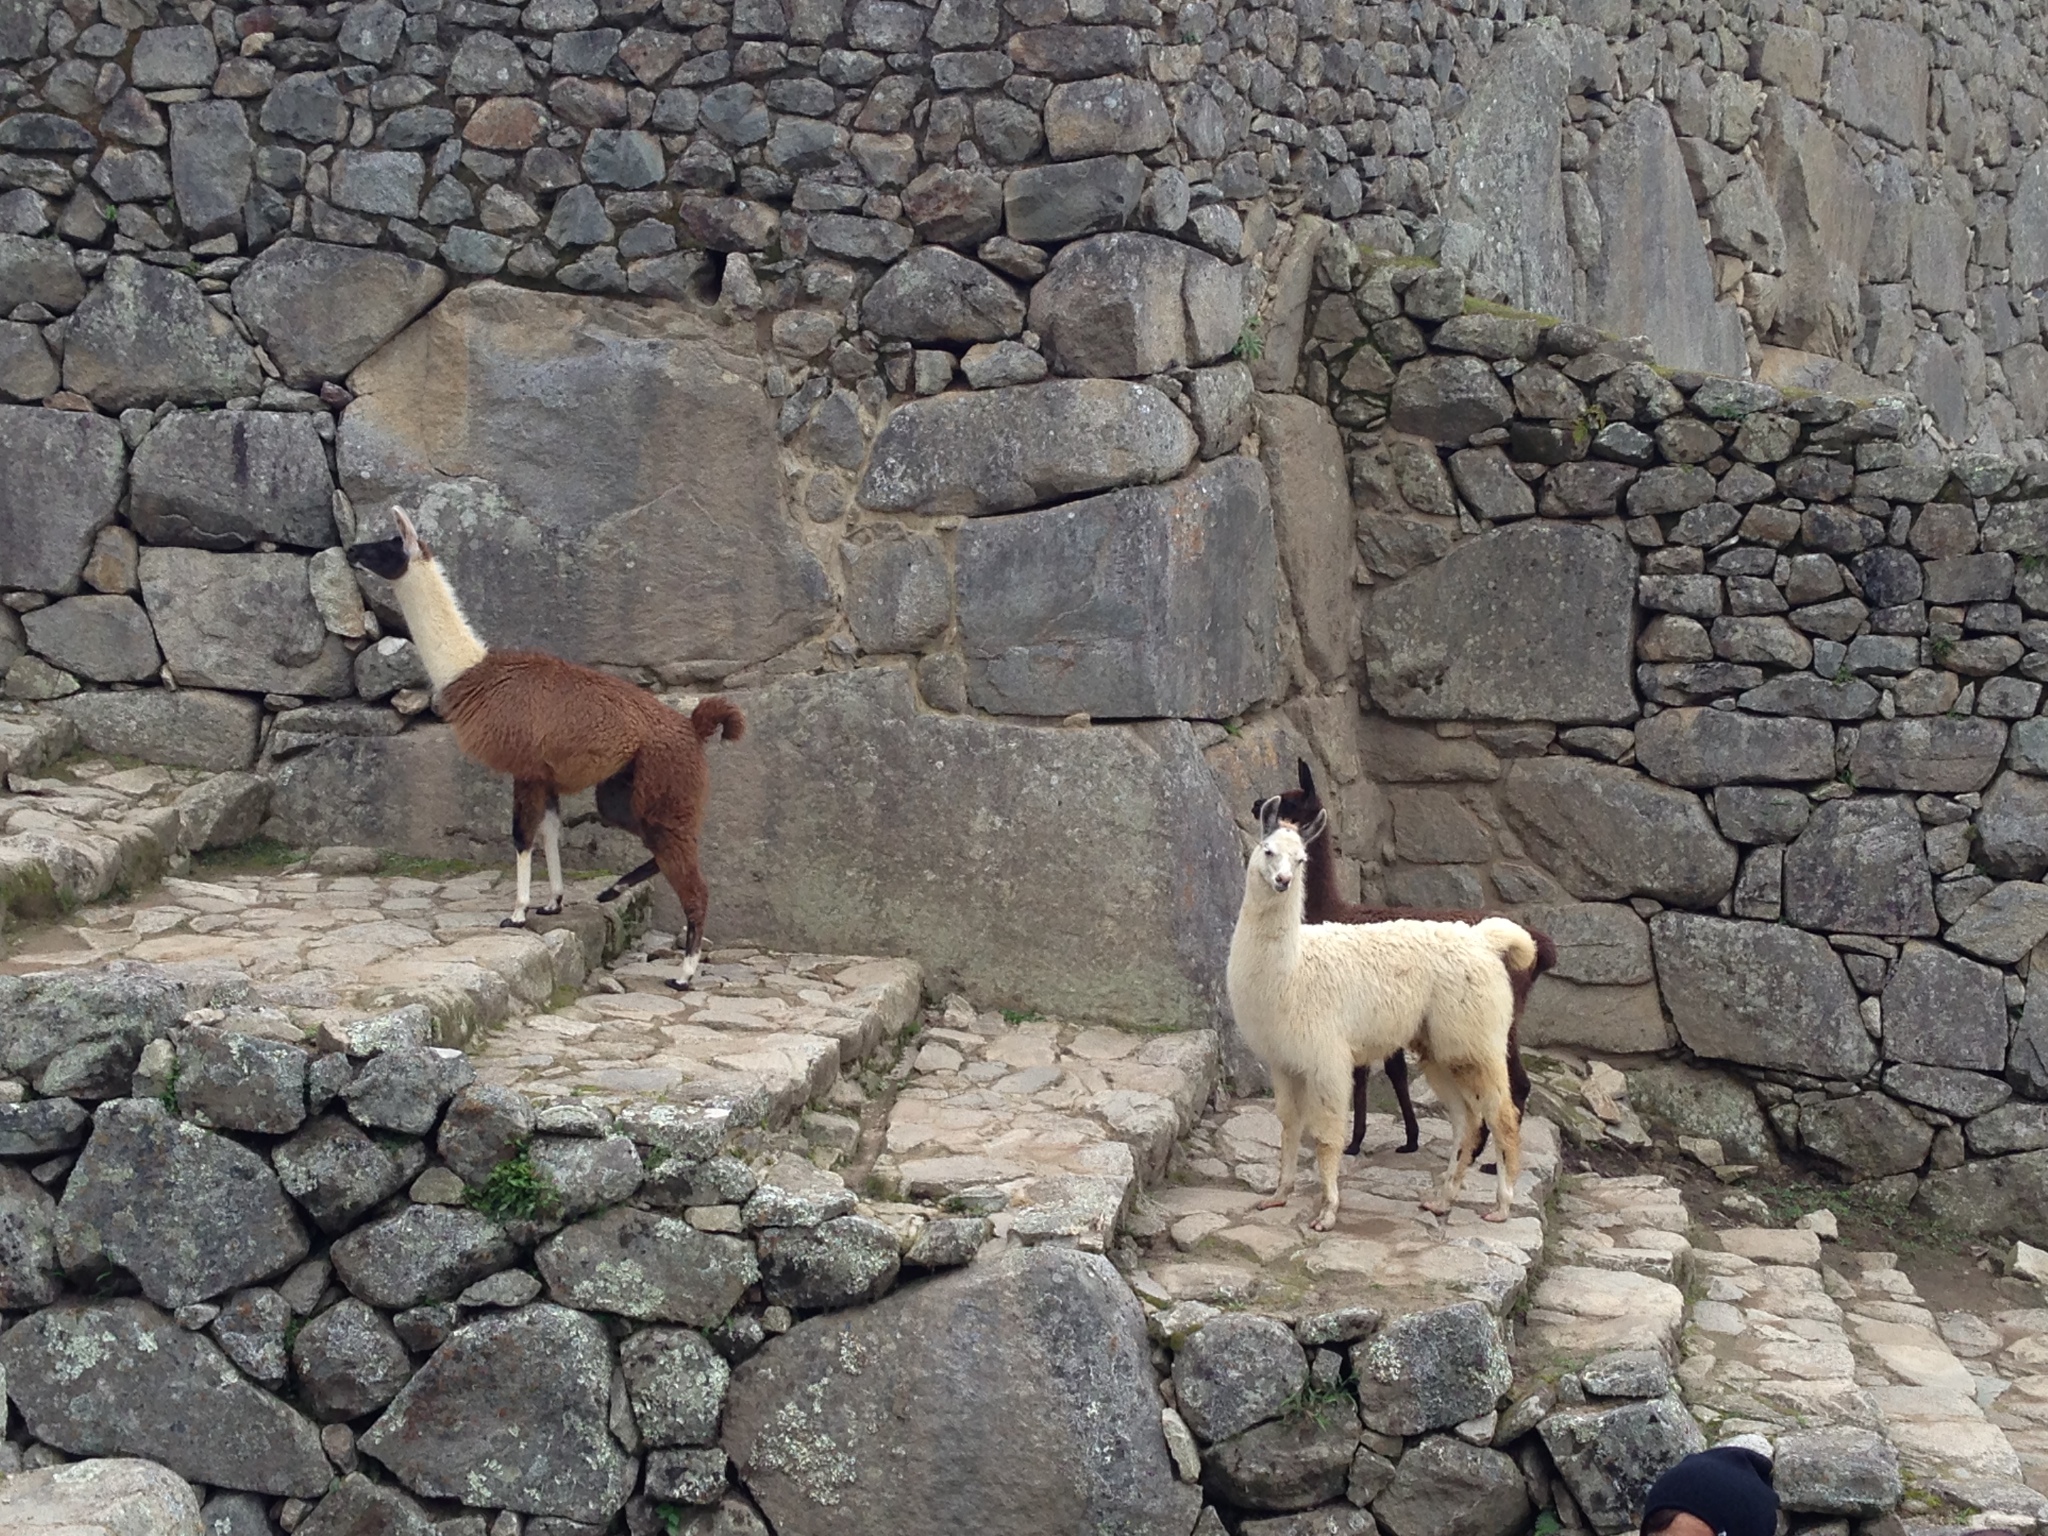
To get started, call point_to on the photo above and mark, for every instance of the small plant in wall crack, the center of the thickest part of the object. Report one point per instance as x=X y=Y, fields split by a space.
x=1251 y=341
x=515 y=1190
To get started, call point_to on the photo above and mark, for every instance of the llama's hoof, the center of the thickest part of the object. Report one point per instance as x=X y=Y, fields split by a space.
x=512 y=922
x=609 y=893
x=1493 y=1215
x=1270 y=1203
x=1488 y=1168
x=679 y=983
x=1410 y=1145
x=1436 y=1207
x=1325 y=1220
x=552 y=909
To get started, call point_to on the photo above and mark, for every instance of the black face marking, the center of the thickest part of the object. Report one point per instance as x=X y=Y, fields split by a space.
x=380 y=557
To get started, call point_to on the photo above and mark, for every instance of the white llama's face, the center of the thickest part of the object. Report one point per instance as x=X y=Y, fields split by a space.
x=1280 y=858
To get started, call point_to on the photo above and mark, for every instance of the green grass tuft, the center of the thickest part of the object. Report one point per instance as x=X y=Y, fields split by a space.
x=262 y=853
x=1251 y=342
x=516 y=1190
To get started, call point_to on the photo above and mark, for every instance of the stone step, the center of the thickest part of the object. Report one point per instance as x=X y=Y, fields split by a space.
x=2007 y=1354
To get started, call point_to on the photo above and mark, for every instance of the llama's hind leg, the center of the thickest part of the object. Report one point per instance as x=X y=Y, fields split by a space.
x=551 y=846
x=1361 y=1080
x=1325 y=1133
x=629 y=879
x=1287 y=1105
x=676 y=854
x=1465 y=1124
x=1506 y=1119
x=1396 y=1068
x=529 y=809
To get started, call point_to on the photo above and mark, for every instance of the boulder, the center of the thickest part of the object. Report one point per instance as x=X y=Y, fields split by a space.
x=1607 y=832
x=358 y=1507
x=1529 y=622
x=1444 y=1487
x=646 y=1266
x=228 y=479
x=485 y=1124
x=1826 y=209
x=236 y=1082
x=842 y=1262
x=85 y=1027
x=190 y=728
x=1878 y=83
x=1301 y=1460
x=348 y=1362
x=899 y=593
x=339 y=1173
x=1701 y=748
x=1698 y=1101
x=1430 y=1370
x=1860 y=866
x=188 y=1213
x=61 y=478
x=1054 y=203
x=1606 y=1020
x=104 y=1496
x=28 y=1256
x=1237 y=1371
x=1504 y=178
x=2012 y=828
x=934 y=294
x=1938 y=754
x=146 y=334
x=1658 y=281
x=1002 y=450
x=404 y=1090
x=1108 y=115
x=1447 y=399
x=213 y=159
x=321 y=309
x=223 y=811
x=1949 y=1090
x=1303 y=455
x=251 y=1327
x=1608 y=1457
x=1944 y=1011
x=38 y=272
x=120 y=1378
x=1839 y=1471
x=105 y=638
x=1991 y=1197
x=1869 y=1135
x=245 y=621
x=604 y=449
x=512 y=1413
x=2009 y=1128
x=676 y=1384
x=1030 y=1372
x=1153 y=601
x=1760 y=994
x=1128 y=305
x=424 y=1253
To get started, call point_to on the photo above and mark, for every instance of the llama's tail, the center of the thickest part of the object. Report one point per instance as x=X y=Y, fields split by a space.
x=715 y=715
x=1546 y=951
x=1510 y=941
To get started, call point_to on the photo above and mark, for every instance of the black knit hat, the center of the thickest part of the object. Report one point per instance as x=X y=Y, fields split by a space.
x=1729 y=1488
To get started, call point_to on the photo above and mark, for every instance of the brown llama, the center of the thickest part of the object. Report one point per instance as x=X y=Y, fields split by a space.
x=1301 y=807
x=557 y=728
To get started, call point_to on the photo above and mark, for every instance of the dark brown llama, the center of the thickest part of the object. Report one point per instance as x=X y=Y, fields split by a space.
x=557 y=728
x=1325 y=905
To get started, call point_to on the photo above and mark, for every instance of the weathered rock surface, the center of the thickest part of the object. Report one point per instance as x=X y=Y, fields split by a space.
x=1608 y=1457
x=2003 y=1195
x=64 y=472
x=146 y=334
x=1940 y=755
x=81 y=1032
x=28 y=1256
x=593 y=450
x=642 y=1265
x=1030 y=1373
x=1695 y=1101
x=1944 y=1011
x=1002 y=450
x=404 y=1090
x=105 y=1496
x=1700 y=748
x=121 y=1379
x=237 y=1082
x=676 y=1382
x=1504 y=174
x=1236 y=1372
x=512 y=1413
x=1154 y=601
x=192 y=727
x=1860 y=867
x=1525 y=623
x=189 y=1213
x=1128 y=305
x=338 y=1173
x=105 y=638
x=1868 y=1134
x=424 y=1253
x=1609 y=832
x=244 y=621
x=320 y=309
x=934 y=294
x=359 y=1507
x=1839 y=1471
x=1760 y=994
x=790 y=847
x=1430 y=1370
x=1313 y=523
x=1290 y=1463
x=228 y=479
x=1444 y=1487
x=348 y=1361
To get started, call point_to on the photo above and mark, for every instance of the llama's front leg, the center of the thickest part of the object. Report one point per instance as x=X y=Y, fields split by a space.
x=551 y=845
x=1287 y=1104
x=529 y=808
x=1326 y=1131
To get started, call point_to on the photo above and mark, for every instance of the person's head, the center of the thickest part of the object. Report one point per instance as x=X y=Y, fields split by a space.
x=1722 y=1492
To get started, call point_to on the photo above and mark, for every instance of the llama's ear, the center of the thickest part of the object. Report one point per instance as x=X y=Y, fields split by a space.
x=1308 y=780
x=1269 y=815
x=1316 y=828
x=411 y=535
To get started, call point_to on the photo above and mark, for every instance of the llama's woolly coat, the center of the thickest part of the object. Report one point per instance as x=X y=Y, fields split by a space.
x=1331 y=996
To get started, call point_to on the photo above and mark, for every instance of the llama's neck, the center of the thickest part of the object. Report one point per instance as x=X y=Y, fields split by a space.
x=1268 y=934
x=448 y=647
x=1323 y=896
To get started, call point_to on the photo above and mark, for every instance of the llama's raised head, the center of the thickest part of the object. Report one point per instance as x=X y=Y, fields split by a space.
x=1300 y=806
x=1281 y=857
x=391 y=558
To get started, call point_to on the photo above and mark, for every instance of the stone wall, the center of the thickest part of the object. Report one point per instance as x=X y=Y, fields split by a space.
x=978 y=394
